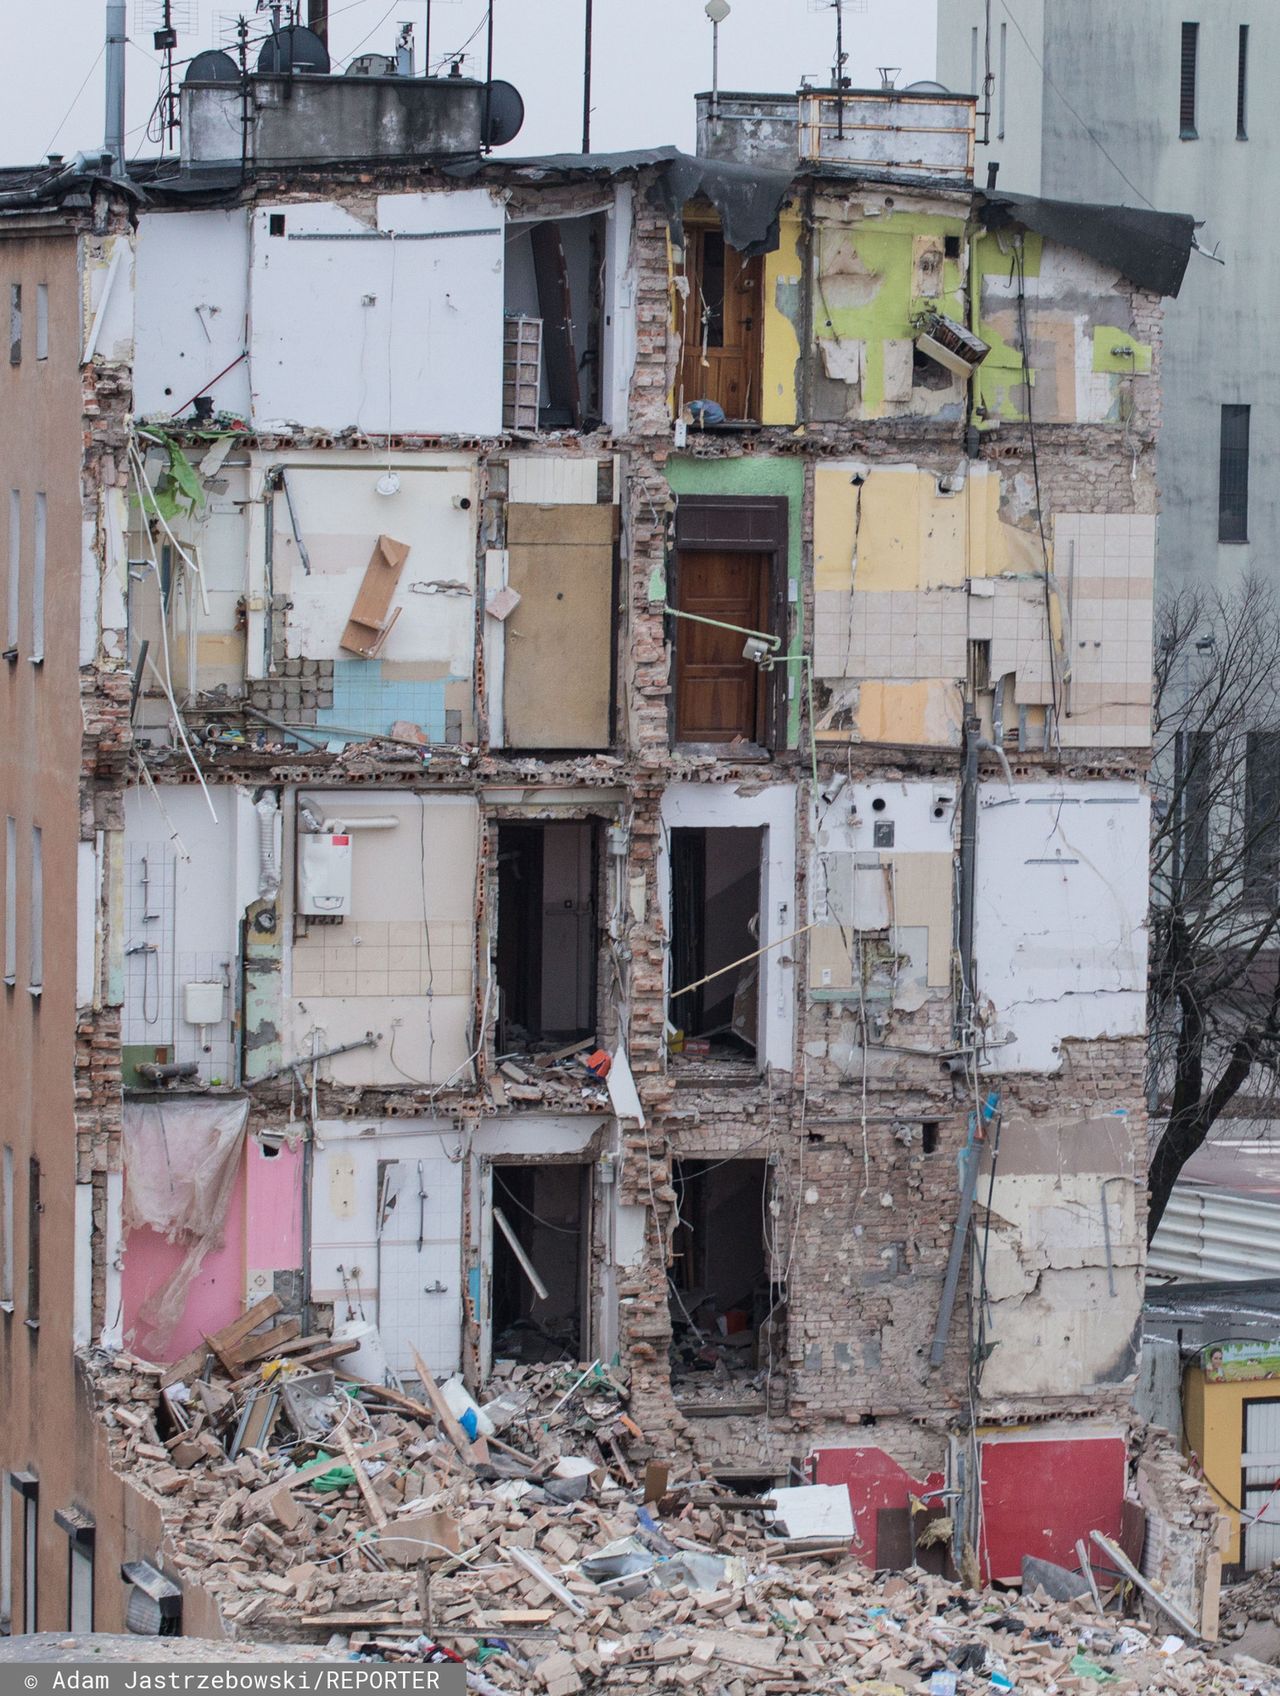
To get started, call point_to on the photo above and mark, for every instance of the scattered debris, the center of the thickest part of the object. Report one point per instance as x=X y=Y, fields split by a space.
x=544 y=1561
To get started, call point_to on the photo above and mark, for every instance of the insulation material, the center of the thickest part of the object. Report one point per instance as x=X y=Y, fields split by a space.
x=560 y=563
x=181 y=1161
x=403 y=962
x=191 y=293
x=410 y=329
x=1077 y=856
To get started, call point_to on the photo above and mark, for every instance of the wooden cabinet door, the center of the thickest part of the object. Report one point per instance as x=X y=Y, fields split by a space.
x=720 y=695
x=722 y=325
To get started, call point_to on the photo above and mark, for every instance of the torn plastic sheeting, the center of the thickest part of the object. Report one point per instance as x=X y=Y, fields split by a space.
x=747 y=198
x=181 y=1162
x=628 y=1558
x=1150 y=248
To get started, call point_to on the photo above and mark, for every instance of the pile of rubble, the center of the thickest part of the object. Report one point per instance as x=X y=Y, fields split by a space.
x=518 y=1538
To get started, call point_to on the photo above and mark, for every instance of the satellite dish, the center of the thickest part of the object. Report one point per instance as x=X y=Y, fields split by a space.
x=372 y=65
x=506 y=113
x=926 y=87
x=212 y=66
x=294 y=48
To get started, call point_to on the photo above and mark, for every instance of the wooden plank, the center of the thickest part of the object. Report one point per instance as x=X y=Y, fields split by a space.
x=1117 y=1556
x=231 y=1336
x=470 y=1452
x=182 y=1371
x=358 y=1621
x=368 y=624
x=269 y=1343
x=377 y=1512
x=393 y=1398
x=317 y=1468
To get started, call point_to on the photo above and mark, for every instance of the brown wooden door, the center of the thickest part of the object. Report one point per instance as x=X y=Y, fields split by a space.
x=721 y=325
x=720 y=695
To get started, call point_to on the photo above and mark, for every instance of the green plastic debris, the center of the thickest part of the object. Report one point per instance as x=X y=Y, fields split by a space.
x=1083 y=1667
x=338 y=1476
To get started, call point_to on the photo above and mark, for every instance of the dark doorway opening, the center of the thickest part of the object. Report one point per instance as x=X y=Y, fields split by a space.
x=725 y=1310
x=547 y=1209
x=721 y=329
x=547 y=942
x=715 y=922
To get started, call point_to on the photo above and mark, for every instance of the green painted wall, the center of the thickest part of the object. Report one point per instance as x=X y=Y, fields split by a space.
x=752 y=476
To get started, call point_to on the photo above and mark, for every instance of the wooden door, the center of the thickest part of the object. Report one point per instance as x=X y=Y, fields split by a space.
x=721 y=324
x=720 y=695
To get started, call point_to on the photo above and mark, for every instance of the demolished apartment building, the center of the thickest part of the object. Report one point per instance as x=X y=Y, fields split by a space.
x=585 y=796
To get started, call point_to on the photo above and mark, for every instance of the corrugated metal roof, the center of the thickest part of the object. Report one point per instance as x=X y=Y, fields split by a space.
x=1212 y=1233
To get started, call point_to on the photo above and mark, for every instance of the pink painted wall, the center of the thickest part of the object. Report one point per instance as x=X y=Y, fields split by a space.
x=263 y=1231
x=216 y=1295
x=274 y=1228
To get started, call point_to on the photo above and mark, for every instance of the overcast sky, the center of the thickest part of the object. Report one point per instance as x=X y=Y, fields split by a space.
x=650 y=57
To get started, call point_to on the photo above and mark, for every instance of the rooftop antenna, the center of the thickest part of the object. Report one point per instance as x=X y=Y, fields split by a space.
x=839 y=81
x=717 y=11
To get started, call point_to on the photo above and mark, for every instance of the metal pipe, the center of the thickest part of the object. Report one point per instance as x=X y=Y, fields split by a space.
x=968 y=855
x=368 y=1040
x=775 y=642
x=526 y=1265
x=113 y=139
x=586 y=79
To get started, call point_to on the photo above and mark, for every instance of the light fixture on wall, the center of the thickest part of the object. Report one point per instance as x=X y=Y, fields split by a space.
x=388 y=483
x=760 y=645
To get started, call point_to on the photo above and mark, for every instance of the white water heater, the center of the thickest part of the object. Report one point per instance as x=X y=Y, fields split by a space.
x=324 y=874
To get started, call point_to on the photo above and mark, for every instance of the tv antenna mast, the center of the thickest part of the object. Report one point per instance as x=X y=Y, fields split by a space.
x=165 y=19
x=839 y=81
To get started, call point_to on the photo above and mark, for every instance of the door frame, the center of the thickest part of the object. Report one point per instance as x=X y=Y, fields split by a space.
x=1246 y=1525
x=697 y=225
x=744 y=524
x=588 y=1251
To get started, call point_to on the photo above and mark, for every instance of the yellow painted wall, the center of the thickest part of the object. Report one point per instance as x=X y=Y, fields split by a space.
x=909 y=536
x=1213 y=1418
x=780 y=330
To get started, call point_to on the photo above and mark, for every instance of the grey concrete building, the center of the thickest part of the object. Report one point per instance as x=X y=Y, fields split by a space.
x=1152 y=103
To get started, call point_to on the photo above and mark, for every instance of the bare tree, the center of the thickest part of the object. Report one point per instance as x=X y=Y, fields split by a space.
x=1214 y=992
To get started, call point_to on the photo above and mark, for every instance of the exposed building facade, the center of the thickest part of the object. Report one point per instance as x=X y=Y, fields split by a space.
x=1150 y=104
x=589 y=713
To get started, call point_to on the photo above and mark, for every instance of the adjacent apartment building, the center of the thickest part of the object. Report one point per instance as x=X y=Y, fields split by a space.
x=1157 y=104
x=588 y=712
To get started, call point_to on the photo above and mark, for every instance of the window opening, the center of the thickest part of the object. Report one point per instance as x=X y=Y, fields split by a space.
x=1187 y=83
x=15 y=323
x=1242 y=85
x=1261 y=814
x=1233 y=475
x=42 y=321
